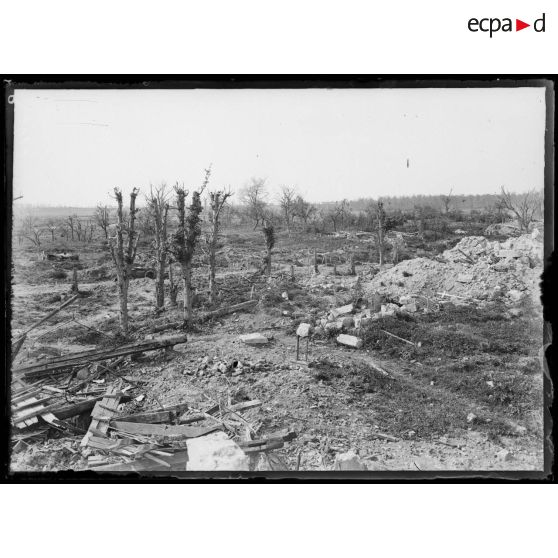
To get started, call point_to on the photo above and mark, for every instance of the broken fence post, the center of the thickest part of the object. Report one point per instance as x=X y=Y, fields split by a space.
x=75 y=287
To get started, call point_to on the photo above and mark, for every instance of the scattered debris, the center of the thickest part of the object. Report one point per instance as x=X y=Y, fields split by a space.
x=60 y=364
x=303 y=330
x=254 y=339
x=350 y=341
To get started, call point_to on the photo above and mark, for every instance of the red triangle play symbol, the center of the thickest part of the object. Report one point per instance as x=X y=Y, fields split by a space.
x=519 y=25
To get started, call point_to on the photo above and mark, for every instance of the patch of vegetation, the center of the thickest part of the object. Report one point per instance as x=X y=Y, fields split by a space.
x=58 y=274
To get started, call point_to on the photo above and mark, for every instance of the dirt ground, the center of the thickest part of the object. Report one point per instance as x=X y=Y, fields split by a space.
x=469 y=398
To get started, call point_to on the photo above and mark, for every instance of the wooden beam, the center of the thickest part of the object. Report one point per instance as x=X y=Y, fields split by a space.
x=99 y=427
x=57 y=365
x=165 y=415
x=163 y=431
x=177 y=462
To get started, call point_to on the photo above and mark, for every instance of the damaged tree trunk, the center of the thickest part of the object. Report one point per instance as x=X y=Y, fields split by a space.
x=185 y=239
x=173 y=287
x=381 y=215
x=217 y=201
x=269 y=234
x=123 y=251
x=75 y=287
x=157 y=203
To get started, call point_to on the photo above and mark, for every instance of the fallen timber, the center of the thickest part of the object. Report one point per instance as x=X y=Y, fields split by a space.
x=162 y=432
x=60 y=411
x=210 y=315
x=59 y=364
x=165 y=415
x=21 y=339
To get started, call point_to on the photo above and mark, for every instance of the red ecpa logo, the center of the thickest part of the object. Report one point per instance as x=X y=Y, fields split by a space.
x=493 y=25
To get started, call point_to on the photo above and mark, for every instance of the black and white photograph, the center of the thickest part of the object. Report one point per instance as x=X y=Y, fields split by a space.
x=278 y=280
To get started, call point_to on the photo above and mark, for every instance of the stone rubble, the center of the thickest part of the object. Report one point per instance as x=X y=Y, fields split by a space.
x=476 y=268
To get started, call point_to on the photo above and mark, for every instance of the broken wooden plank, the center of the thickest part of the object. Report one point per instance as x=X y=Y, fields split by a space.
x=26 y=422
x=100 y=427
x=25 y=401
x=156 y=459
x=16 y=347
x=37 y=409
x=418 y=345
x=176 y=463
x=107 y=444
x=165 y=415
x=57 y=365
x=29 y=417
x=187 y=419
x=30 y=393
x=164 y=432
x=69 y=411
x=276 y=441
x=269 y=445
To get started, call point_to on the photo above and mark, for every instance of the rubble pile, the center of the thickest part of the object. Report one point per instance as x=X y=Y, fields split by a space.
x=93 y=404
x=475 y=268
x=525 y=250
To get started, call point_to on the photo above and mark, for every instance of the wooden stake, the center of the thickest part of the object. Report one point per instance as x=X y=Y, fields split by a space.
x=401 y=339
x=75 y=287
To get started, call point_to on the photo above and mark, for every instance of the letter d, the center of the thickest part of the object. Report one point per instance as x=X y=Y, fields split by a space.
x=537 y=21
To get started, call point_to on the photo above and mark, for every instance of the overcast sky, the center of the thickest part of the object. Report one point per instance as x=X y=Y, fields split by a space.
x=73 y=146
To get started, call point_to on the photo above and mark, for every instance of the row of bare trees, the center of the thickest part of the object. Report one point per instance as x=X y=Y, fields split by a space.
x=72 y=227
x=178 y=247
x=255 y=200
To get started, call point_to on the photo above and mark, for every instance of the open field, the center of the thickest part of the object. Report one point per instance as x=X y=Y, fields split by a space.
x=459 y=388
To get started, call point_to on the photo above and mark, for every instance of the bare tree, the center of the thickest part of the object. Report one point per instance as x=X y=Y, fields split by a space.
x=157 y=203
x=217 y=200
x=64 y=228
x=79 y=228
x=72 y=224
x=522 y=206
x=446 y=200
x=91 y=226
x=184 y=240
x=253 y=197
x=173 y=285
x=344 y=211
x=52 y=227
x=32 y=232
x=336 y=216
x=303 y=210
x=381 y=230
x=102 y=217
x=123 y=246
x=287 y=204
x=146 y=224
x=269 y=235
